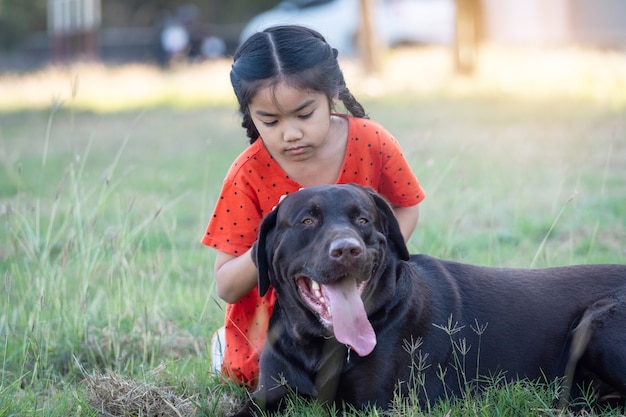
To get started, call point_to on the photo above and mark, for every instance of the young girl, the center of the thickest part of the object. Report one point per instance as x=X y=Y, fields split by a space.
x=287 y=81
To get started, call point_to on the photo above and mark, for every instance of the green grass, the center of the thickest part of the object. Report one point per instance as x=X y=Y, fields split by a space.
x=102 y=213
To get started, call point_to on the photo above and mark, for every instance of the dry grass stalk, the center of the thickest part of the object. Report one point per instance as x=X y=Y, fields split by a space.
x=111 y=395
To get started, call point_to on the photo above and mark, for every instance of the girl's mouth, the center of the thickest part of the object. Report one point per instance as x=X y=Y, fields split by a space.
x=297 y=150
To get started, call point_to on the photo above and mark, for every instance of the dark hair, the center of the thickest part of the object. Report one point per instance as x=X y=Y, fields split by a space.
x=294 y=54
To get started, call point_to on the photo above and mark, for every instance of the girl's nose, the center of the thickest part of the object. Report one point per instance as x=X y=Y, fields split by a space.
x=292 y=132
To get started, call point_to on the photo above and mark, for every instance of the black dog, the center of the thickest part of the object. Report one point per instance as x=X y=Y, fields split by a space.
x=357 y=319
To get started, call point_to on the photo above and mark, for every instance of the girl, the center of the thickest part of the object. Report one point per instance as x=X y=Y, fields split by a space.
x=287 y=81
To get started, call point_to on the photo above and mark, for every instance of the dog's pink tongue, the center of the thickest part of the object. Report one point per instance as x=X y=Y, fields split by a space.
x=350 y=323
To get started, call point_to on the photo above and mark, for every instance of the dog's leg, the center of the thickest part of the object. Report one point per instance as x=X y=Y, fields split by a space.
x=579 y=341
x=327 y=378
x=599 y=348
x=263 y=401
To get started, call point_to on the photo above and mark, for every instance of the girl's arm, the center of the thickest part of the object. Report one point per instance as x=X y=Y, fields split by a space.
x=235 y=276
x=407 y=218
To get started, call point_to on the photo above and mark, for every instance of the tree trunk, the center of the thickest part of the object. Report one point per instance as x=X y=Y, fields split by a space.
x=368 y=45
x=468 y=35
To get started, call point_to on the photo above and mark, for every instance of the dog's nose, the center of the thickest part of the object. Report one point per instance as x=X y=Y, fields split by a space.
x=345 y=250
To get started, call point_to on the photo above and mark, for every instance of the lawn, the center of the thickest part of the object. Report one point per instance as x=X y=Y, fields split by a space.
x=108 y=177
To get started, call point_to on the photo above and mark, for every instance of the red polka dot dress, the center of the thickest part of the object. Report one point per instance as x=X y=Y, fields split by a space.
x=254 y=185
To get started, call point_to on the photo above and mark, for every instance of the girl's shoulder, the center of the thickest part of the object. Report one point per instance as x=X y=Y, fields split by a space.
x=360 y=125
x=248 y=160
x=366 y=132
x=254 y=169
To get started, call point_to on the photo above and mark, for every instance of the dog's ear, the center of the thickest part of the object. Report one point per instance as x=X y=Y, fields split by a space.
x=260 y=253
x=388 y=219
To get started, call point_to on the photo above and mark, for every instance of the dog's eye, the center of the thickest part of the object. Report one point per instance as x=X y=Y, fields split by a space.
x=362 y=220
x=307 y=221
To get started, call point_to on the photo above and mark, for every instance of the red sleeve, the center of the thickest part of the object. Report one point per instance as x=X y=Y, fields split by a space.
x=252 y=187
x=234 y=225
x=375 y=158
x=398 y=183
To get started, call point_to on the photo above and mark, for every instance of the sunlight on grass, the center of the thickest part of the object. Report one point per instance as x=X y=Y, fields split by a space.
x=108 y=176
x=528 y=73
x=515 y=72
x=104 y=88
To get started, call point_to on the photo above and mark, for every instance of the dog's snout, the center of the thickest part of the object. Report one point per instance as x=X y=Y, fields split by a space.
x=345 y=250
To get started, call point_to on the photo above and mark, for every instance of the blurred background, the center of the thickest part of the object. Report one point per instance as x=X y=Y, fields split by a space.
x=35 y=33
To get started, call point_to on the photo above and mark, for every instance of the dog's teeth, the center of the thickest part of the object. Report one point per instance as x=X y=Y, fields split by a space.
x=315 y=287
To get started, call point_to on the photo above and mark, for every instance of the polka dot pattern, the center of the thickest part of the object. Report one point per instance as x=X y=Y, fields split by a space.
x=254 y=185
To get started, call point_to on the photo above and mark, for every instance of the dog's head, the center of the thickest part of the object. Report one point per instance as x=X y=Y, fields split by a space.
x=323 y=249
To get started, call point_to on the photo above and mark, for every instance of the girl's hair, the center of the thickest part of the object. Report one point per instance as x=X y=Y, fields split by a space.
x=294 y=54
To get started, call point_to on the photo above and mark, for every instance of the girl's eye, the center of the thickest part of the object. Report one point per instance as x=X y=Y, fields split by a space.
x=270 y=124
x=306 y=116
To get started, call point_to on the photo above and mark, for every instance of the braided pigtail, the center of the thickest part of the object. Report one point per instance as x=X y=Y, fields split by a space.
x=343 y=93
x=350 y=102
x=251 y=130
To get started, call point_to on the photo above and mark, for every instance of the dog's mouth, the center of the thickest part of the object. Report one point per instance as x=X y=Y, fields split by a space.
x=340 y=308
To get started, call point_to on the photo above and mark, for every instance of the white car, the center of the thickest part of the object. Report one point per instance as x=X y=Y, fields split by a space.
x=395 y=21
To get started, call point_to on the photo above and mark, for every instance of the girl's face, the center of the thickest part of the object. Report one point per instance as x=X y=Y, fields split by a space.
x=293 y=123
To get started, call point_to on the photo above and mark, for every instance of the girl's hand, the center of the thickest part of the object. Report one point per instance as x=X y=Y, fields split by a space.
x=282 y=197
